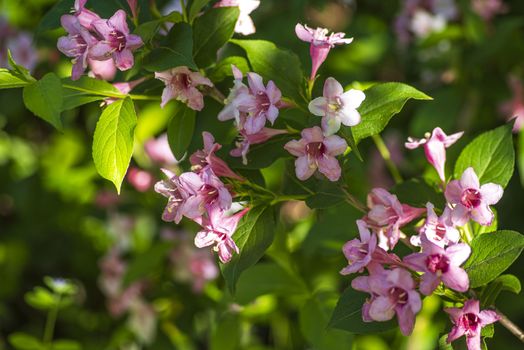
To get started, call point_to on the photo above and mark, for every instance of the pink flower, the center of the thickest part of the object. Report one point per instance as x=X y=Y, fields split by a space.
x=133 y=7
x=435 y=148
x=438 y=230
x=514 y=109
x=159 y=151
x=238 y=96
x=76 y=44
x=470 y=200
x=141 y=180
x=206 y=157
x=244 y=23
x=181 y=84
x=22 y=49
x=487 y=9
x=337 y=106
x=117 y=42
x=104 y=70
x=217 y=230
x=314 y=151
x=469 y=321
x=177 y=189
x=387 y=215
x=439 y=264
x=246 y=140
x=124 y=88
x=392 y=292
x=359 y=252
x=85 y=16
x=320 y=44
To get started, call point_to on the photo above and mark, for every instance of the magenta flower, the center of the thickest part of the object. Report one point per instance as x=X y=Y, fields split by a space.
x=314 y=151
x=217 y=230
x=246 y=140
x=435 y=148
x=438 y=230
x=439 y=264
x=117 y=43
x=392 y=293
x=337 y=107
x=470 y=200
x=177 y=190
x=76 y=44
x=469 y=321
x=141 y=180
x=181 y=84
x=387 y=215
x=206 y=157
x=244 y=25
x=320 y=44
x=85 y=16
x=359 y=252
x=159 y=151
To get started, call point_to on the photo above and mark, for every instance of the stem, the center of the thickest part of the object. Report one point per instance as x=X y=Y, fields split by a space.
x=50 y=323
x=310 y=84
x=143 y=97
x=184 y=10
x=510 y=326
x=468 y=235
x=285 y=198
x=384 y=152
x=353 y=201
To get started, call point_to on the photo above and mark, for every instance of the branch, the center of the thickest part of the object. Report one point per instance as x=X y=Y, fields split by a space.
x=510 y=326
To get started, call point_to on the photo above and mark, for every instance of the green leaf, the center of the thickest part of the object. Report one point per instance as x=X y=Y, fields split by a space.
x=223 y=68
x=8 y=80
x=113 y=141
x=490 y=293
x=347 y=133
x=149 y=29
x=327 y=194
x=520 y=151
x=64 y=344
x=211 y=31
x=253 y=236
x=23 y=341
x=443 y=344
x=491 y=155
x=180 y=129
x=147 y=263
x=479 y=229
x=61 y=286
x=227 y=332
x=44 y=98
x=51 y=19
x=86 y=90
x=267 y=278
x=41 y=298
x=348 y=315
x=18 y=70
x=174 y=51
x=492 y=254
x=509 y=283
x=196 y=7
x=417 y=193
x=382 y=102
x=281 y=66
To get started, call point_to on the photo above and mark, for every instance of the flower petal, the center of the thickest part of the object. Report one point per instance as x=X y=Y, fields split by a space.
x=335 y=145
x=303 y=168
x=332 y=89
x=353 y=98
x=491 y=193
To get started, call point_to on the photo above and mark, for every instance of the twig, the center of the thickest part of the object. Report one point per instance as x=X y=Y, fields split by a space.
x=510 y=326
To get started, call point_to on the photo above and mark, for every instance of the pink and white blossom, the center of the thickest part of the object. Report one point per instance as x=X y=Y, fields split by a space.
x=244 y=25
x=435 y=148
x=359 y=252
x=320 y=44
x=387 y=215
x=469 y=321
x=117 y=41
x=440 y=265
x=182 y=85
x=245 y=141
x=238 y=96
x=317 y=152
x=337 y=107
x=392 y=293
x=472 y=201
x=76 y=44
x=217 y=231
x=438 y=230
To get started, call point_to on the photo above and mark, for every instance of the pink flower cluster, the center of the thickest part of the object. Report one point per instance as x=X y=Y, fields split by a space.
x=93 y=38
x=201 y=196
x=395 y=286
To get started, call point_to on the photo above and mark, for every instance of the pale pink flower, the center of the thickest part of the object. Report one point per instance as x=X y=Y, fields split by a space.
x=142 y=320
x=124 y=88
x=85 y=16
x=206 y=157
x=438 y=230
x=22 y=49
x=181 y=84
x=217 y=230
x=359 y=252
x=76 y=44
x=104 y=70
x=435 y=148
x=469 y=321
x=238 y=96
x=141 y=180
x=159 y=151
x=315 y=151
x=112 y=269
x=320 y=44
x=337 y=107
x=245 y=140
x=244 y=25
x=487 y=9
x=514 y=109
x=387 y=215
x=117 y=42
x=392 y=293
x=133 y=6
x=472 y=201
x=440 y=265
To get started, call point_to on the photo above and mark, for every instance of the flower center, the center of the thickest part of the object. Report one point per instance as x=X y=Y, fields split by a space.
x=398 y=295
x=358 y=252
x=470 y=198
x=210 y=192
x=470 y=322
x=262 y=102
x=437 y=263
x=316 y=149
x=440 y=231
x=80 y=46
x=182 y=81
x=117 y=40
